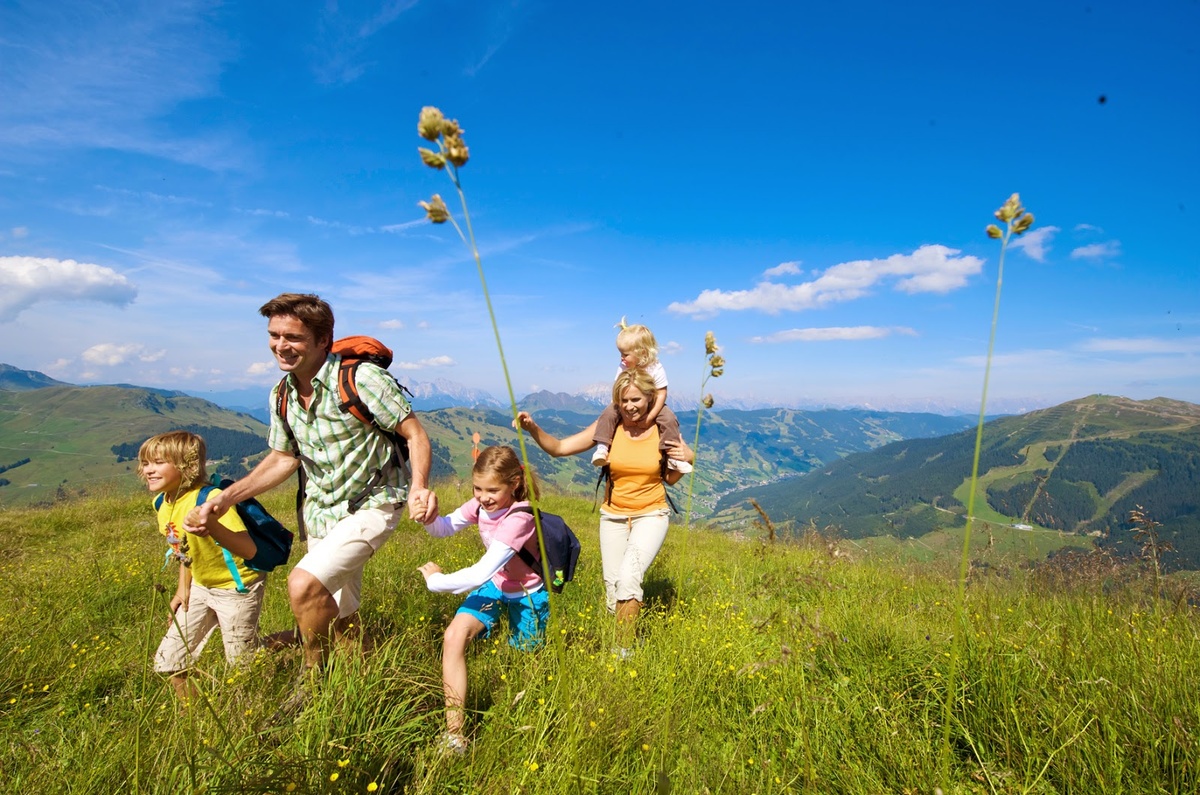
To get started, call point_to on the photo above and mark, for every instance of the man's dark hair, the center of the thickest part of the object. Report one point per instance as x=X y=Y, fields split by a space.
x=311 y=310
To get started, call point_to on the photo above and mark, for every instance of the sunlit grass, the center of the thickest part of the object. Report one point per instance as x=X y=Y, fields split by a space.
x=785 y=668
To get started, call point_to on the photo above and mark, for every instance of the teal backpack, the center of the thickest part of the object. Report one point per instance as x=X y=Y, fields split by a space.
x=274 y=541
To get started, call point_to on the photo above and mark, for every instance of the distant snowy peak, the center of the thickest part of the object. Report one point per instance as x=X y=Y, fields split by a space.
x=600 y=394
x=443 y=393
x=559 y=401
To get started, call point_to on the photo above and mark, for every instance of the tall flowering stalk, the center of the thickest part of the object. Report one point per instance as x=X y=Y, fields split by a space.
x=1016 y=222
x=714 y=368
x=451 y=155
x=1150 y=544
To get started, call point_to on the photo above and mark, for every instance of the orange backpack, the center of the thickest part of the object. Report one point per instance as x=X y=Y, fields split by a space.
x=354 y=351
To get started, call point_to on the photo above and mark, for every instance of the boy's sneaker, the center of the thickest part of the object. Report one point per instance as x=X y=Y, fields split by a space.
x=600 y=457
x=679 y=466
x=450 y=744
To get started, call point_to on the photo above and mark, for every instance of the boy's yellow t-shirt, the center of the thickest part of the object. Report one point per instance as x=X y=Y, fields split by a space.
x=635 y=469
x=208 y=561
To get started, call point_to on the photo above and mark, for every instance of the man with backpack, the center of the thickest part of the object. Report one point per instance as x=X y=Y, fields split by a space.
x=344 y=423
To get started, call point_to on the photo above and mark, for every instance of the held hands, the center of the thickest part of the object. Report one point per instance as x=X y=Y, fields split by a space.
x=197 y=519
x=429 y=568
x=680 y=451
x=422 y=505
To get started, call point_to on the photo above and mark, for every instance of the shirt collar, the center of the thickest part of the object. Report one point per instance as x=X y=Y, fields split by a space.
x=322 y=376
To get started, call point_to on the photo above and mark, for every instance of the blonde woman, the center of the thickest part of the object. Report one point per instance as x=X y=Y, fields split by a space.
x=635 y=512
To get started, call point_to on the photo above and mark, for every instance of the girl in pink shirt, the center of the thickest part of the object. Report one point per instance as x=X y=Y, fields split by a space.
x=498 y=582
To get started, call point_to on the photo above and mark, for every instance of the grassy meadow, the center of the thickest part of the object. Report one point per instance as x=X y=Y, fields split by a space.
x=808 y=666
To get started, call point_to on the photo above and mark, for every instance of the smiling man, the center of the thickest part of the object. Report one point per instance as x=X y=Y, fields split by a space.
x=349 y=510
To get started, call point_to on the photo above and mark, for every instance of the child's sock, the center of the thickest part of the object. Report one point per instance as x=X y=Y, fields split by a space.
x=600 y=457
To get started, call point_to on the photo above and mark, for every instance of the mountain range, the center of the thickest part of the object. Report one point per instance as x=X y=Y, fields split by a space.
x=1076 y=468
x=103 y=426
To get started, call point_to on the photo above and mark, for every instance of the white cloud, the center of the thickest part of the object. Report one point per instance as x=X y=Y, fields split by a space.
x=110 y=354
x=1087 y=228
x=670 y=348
x=392 y=324
x=834 y=333
x=25 y=281
x=19 y=232
x=929 y=269
x=258 y=368
x=1035 y=243
x=784 y=269
x=435 y=361
x=1110 y=248
x=1155 y=345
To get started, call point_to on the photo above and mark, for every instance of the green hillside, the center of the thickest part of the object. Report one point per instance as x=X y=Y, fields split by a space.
x=66 y=435
x=69 y=440
x=737 y=448
x=14 y=379
x=1077 y=468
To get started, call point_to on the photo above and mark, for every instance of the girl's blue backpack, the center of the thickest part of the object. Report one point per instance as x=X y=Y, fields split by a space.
x=562 y=548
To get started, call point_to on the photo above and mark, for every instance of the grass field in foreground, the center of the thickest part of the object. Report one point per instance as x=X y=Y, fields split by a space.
x=762 y=669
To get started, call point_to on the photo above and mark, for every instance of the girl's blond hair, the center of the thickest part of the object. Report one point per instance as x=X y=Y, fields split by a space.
x=184 y=450
x=639 y=340
x=502 y=462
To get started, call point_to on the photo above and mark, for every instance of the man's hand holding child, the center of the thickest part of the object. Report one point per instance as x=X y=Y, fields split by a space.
x=422 y=505
x=196 y=521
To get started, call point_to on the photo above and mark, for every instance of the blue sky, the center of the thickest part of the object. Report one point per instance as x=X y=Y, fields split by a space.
x=810 y=181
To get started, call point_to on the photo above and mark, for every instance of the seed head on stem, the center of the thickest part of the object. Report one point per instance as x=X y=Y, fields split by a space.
x=436 y=209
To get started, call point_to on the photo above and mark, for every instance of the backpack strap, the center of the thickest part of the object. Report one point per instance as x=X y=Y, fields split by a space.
x=662 y=474
x=301 y=476
x=523 y=553
x=350 y=403
x=229 y=562
x=348 y=399
x=158 y=501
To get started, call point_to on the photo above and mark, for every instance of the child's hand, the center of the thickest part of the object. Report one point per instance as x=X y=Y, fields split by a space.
x=197 y=530
x=180 y=599
x=525 y=419
x=429 y=568
x=422 y=505
x=197 y=519
x=680 y=451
